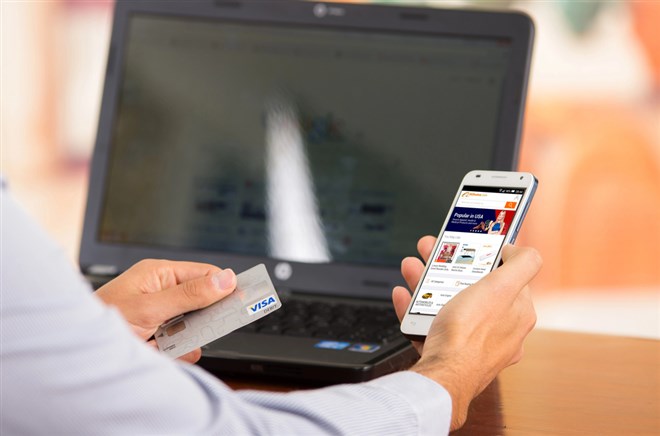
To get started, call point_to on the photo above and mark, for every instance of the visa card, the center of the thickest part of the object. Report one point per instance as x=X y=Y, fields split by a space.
x=253 y=298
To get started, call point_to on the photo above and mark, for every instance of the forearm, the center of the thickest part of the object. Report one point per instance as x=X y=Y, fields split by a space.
x=112 y=384
x=108 y=382
x=402 y=403
x=71 y=365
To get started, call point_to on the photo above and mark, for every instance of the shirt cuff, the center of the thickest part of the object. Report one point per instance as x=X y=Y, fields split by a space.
x=428 y=400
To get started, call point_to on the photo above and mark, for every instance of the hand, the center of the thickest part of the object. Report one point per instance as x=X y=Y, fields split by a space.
x=153 y=291
x=480 y=331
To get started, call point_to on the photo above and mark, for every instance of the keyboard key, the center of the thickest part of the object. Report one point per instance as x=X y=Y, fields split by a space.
x=331 y=321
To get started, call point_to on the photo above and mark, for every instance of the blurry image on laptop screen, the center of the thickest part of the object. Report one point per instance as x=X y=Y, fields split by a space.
x=298 y=143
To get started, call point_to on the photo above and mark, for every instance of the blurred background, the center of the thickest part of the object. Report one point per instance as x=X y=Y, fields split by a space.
x=591 y=136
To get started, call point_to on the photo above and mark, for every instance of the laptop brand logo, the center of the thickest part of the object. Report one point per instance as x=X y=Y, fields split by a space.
x=321 y=10
x=261 y=305
x=283 y=271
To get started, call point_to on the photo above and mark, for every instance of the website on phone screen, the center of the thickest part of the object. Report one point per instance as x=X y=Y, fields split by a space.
x=471 y=242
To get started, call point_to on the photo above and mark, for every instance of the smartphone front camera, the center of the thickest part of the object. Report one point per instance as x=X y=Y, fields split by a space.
x=478 y=175
x=521 y=177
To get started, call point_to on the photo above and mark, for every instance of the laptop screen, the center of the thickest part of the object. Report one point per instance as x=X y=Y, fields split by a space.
x=297 y=143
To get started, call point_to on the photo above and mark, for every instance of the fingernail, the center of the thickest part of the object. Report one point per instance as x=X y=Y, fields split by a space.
x=224 y=279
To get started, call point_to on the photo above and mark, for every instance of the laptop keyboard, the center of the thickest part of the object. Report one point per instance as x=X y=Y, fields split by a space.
x=330 y=321
x=322 y=320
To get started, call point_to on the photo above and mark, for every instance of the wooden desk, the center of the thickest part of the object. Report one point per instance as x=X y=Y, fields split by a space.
x=567 y=383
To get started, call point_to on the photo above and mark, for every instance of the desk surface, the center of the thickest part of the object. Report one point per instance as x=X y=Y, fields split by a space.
x=567 y=383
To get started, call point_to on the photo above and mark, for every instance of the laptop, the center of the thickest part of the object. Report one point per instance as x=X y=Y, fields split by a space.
x=319 y=139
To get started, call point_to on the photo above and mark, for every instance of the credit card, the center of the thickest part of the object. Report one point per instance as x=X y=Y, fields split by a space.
x=253 y=298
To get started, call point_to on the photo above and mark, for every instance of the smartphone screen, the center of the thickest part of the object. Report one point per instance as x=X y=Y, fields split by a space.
x=476 y=230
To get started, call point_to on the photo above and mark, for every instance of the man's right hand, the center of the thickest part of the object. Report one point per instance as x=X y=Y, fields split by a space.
x=480 y=331
x=153 y=291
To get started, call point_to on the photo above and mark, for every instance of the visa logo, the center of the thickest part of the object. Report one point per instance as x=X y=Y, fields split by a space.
x=261 y=305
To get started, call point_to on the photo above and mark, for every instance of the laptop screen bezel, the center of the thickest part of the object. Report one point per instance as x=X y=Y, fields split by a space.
x=365 y=281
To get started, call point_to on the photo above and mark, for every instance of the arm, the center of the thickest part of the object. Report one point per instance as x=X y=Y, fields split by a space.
x=72 y=365
x=480 y=331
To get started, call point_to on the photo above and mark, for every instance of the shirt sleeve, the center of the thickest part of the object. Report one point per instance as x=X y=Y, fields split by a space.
x=71 y=365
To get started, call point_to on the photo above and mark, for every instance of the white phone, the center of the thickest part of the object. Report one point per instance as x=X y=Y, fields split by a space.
x=487 y=212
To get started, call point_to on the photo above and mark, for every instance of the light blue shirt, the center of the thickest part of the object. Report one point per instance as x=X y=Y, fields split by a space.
x=71 y=365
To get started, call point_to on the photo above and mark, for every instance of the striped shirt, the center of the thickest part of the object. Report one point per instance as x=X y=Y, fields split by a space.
x=71 y=365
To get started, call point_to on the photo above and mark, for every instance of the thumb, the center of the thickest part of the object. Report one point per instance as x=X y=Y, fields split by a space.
x=401 y=299
x=192 y=295
x=520 y=266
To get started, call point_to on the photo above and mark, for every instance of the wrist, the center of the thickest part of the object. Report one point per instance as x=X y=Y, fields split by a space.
x=453 y=383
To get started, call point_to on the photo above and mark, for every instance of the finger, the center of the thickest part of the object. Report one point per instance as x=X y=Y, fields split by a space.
x=153 y=343
x=411 y=267
x=506 y=282
x=191 y=357
x=516 y=325
x=186 y=271
x=425 y=246
x=527 y=311
x=517 y=357
x=190 y=295
x=412 y=270
x=169 y=273
x=510 y=251
x=401 y=300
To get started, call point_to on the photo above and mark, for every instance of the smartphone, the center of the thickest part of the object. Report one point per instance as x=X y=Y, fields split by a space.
x=486 y=214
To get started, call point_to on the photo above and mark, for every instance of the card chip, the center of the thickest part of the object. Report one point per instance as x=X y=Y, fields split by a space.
x=176 y=328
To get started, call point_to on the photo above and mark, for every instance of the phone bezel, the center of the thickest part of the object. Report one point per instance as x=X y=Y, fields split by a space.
x=416 y=326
